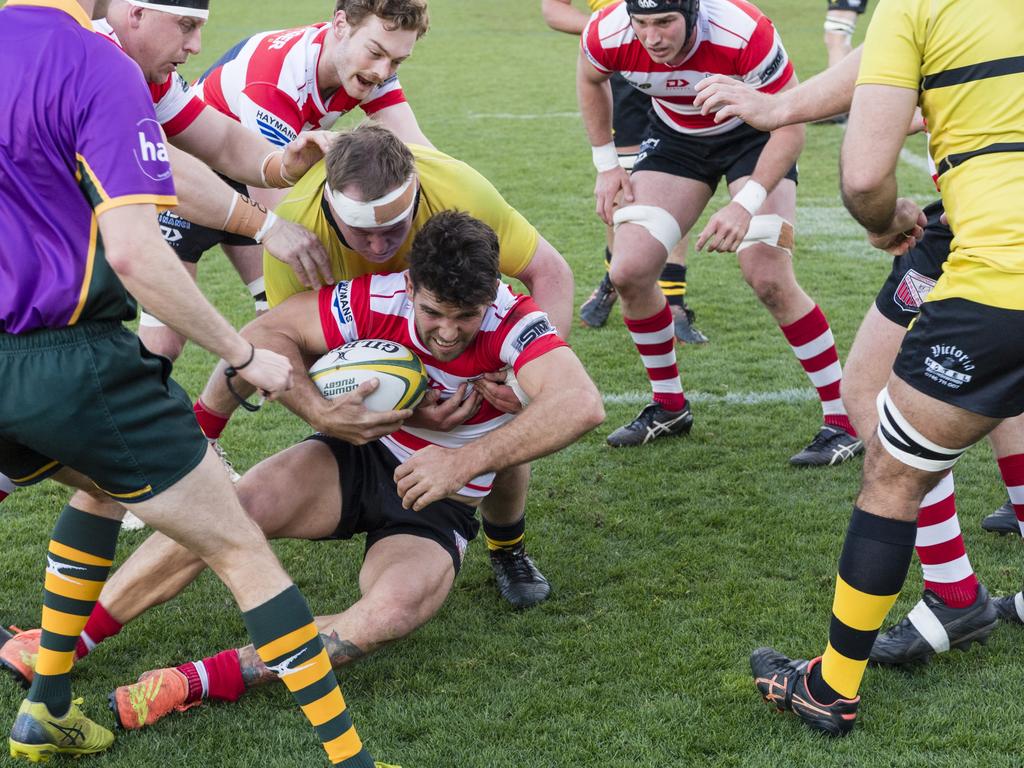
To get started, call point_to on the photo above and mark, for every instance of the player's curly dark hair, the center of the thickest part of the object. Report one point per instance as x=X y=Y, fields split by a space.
x=371 y=158
x=455 y=257
x=406 y=15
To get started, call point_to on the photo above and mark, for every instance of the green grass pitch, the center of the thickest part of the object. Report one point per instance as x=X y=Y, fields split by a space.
x=669 y=564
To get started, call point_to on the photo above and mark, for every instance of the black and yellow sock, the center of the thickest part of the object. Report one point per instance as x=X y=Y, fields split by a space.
x=673 y=283
x=78 y=561
x=872 y=569
x=504 y=536
x=287 y=641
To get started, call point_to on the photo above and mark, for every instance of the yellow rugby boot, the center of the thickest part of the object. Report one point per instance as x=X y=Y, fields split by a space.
x=37 y=735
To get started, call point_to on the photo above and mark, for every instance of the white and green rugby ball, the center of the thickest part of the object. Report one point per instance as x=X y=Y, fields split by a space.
x=403 y=379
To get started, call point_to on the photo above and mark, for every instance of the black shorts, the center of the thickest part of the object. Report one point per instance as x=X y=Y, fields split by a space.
x=704 y=158
x=630 y=113
x=370 y=502
x=190 y=240
x=858 y=6
x=915 y=273
x=966 y=354
x=91 y=397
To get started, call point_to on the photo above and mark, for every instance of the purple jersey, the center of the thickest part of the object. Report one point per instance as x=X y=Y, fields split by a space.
x=78 y=136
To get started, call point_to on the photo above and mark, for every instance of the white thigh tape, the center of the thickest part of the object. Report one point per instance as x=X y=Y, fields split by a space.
x=511 y=381
x=842 y=27
x=906 y=444
x=769 y=229
x=659 y=222
x=146 y=320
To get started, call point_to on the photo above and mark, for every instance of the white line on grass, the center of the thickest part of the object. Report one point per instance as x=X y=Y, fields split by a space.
x=914 y=159
x=798 y=395
x=519 y=116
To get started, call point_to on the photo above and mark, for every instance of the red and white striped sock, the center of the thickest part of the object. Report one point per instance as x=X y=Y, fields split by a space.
x=940 y=548
x=656 y=342
x=1012 y=470
x=211 y=422
x=218 y=678
x=811 y=340
x=6 y=487
x=98 y=628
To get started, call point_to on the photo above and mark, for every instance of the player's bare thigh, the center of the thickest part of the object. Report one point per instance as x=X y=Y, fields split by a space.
x=642 y=257
x=894 y=489
x=868 y=365
x=294 y=494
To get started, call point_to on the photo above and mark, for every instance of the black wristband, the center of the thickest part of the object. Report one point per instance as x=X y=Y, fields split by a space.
x=232 y=370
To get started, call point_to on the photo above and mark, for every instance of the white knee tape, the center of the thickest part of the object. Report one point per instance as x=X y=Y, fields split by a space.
x=906 y=444
x=840 y=27
x=659 y=222
x=146 y=320
x=769 y=229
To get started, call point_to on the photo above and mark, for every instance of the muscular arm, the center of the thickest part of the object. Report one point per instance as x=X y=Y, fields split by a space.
x=225 y=145
x=871 y=147
x=293 y=329
x=824 y=95
x=401 y=121
x=780 y=153
x=594 y=94
x=152 y=273
x=561 y=16
x=564 y=405
x=203 y=197
x=549 y=280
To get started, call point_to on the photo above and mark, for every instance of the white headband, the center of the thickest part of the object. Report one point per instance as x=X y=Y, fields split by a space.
x=177 y=10
x=383 y=212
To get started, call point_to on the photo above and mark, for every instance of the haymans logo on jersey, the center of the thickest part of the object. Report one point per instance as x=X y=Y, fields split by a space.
x=150 y=152
x=342 y=305
x=276 y=131
x=281 y=41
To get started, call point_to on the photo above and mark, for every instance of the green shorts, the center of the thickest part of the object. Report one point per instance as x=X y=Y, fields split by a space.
x=92 y=398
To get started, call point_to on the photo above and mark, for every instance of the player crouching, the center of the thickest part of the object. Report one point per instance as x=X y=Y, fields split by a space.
x=413 y=492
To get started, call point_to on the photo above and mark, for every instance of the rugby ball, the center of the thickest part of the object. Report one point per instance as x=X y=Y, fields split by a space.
x=403 y=379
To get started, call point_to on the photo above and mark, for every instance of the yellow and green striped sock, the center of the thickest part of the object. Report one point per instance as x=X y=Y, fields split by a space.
x=287 y=640
x=77 y=563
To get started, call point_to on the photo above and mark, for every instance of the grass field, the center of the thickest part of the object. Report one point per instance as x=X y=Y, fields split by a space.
x=669 y=565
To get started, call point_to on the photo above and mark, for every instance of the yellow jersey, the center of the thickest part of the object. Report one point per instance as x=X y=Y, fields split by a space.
x=597 y=5
x=445 y=184
x=966 y=58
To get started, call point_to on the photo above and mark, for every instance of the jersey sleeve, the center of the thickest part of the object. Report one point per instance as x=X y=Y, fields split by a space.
x=525 y=334
x=337 y=316
x=121 y=155
x=763 y=62
x=266 y=109
x=385 y=95
x=894 y=46
x=176 y=106
x=590 y=44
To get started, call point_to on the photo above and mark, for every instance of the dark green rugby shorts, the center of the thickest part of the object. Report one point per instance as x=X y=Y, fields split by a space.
x=91 y=397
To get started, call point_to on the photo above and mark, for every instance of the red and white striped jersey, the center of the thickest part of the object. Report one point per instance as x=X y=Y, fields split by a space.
x=514 y=332
x=268 y=84
x=176 y=104
x=733 y=38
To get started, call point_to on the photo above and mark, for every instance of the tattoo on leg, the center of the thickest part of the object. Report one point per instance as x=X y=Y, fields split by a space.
x=255 y=672
x=340 y=651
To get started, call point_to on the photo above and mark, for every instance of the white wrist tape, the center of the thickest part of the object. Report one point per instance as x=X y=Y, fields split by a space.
x=751 y=197
x=262 y=231
x=605 y=157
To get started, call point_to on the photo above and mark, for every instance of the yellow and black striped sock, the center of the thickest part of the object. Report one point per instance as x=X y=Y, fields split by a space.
x=673 y=283
x=872 y=569
x=287 y=641
x=78 y=561
x=504 y=536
